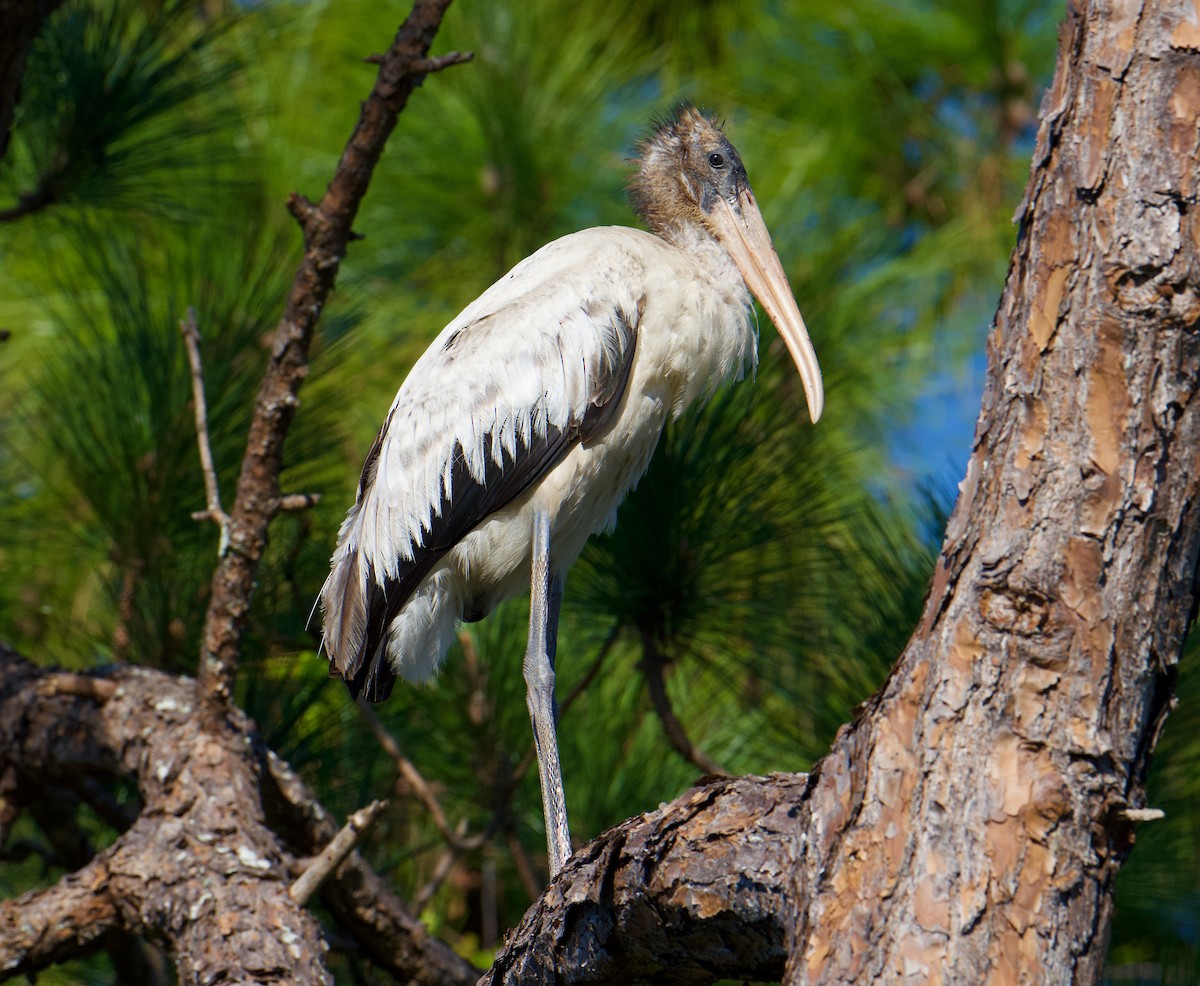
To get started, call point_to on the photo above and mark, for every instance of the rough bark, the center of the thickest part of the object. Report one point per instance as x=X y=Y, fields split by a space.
x=206 y=866
x=969 y=824
x=973 y=817
x=690 y=893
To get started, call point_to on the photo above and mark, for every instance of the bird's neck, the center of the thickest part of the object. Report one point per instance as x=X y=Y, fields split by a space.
x=705 y=251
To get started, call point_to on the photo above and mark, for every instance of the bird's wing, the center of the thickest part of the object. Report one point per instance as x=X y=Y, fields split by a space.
x=536 y=365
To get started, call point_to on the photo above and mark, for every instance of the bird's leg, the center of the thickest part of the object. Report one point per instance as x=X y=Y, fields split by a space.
x=545 y=596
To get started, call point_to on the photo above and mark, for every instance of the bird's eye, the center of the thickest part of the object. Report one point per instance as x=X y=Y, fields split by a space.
x=716 y=159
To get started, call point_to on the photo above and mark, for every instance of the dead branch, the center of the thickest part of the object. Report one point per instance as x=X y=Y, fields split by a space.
x=332 y=856
x=360 y=900
x=293 y=502
x=79 y=685
x=191 y=338
x=327 y=230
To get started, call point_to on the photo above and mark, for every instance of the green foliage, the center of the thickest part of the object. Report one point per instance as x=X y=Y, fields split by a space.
x=121 y=108
x=1156 y=935
x=777 y=568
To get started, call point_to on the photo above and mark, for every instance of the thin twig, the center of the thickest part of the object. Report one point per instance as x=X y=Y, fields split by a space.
x=191 y=338
x=331 y=857
x=80 y=685
x=430 y=65
x=425 y=66
x=417 y=783
x=1142 y=814
x=298 y=501
x=327 y=229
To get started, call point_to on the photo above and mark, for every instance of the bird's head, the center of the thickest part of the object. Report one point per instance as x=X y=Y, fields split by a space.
x=691 y=176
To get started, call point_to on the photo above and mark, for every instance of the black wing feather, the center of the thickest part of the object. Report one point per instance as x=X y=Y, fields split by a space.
x=473 y=501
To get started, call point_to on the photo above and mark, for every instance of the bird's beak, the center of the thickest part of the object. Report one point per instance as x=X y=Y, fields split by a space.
x=744 y=235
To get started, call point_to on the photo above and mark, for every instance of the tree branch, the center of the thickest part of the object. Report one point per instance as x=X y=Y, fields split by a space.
x=52 y=925
x=22 y=20
x=327 y=230
x=690 y=893
x=332 y=856
x=214 y=512
x=653 y=668
x=360 y=900
x=204 y=845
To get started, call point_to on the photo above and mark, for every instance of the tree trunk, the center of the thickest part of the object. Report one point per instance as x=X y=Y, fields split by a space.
x=975 y=818
x=968 y=826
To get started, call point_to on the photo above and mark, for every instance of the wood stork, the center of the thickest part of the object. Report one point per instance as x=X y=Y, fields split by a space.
x=519 y=431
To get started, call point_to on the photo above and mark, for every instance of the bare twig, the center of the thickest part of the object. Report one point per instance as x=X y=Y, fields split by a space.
x=429 y=65
x=417 y=783
x=335 y=853
x=1142 y=814
x=327 y=229
x=298 y=501
x=79 y=685
x=191 y=338
x=360 y=900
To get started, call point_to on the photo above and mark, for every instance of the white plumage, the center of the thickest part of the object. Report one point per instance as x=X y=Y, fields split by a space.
x=536 y=410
